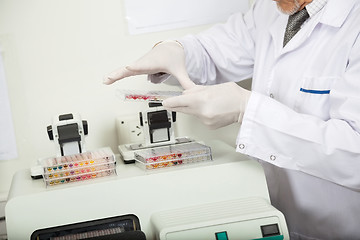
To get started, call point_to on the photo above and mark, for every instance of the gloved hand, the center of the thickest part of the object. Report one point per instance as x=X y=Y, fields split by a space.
x=164 y=57
x=216 y=105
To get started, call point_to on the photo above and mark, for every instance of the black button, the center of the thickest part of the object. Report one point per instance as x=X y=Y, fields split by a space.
x=270 y=230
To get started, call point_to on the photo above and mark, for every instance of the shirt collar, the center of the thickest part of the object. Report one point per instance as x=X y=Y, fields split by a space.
x=315 y=6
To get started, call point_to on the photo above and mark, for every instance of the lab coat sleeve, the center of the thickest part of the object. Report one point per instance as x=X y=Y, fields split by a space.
x=328 y=149
x=227 y=57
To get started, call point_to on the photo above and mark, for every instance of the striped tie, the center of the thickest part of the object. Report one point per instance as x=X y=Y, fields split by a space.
x=294 y=23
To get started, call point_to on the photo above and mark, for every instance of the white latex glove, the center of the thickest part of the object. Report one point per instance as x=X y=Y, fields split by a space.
x=216 y=105
x=164 y=57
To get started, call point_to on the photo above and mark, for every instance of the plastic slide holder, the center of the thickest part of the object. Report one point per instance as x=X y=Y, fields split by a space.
x=78 y=167
x=151 y=96
x=172 y=155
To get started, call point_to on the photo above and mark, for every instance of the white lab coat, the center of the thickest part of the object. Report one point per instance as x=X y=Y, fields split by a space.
x=303 y=117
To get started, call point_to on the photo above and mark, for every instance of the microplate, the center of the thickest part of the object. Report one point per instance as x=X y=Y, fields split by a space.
x=151 y=96
x=78 y=167
x=172 y=155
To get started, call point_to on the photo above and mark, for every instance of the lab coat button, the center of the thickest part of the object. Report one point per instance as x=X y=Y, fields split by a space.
x=272 y=158
x=271 y=95
x=241 y=146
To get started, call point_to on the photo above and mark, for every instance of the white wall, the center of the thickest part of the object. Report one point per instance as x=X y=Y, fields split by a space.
x=56 y=53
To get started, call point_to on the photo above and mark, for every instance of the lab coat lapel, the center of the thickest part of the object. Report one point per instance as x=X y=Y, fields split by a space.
x=301 y=36
x=277 y=31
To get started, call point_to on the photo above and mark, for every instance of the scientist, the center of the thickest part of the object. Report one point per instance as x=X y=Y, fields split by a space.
x=302 y=117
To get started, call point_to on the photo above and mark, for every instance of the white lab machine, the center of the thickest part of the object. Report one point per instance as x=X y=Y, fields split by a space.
x=230 y=176
x=245 y=218
x=221 y=195
x=155 y=123
x=68 y=134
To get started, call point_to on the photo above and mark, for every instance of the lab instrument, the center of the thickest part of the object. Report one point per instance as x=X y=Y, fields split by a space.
x=72 y=163
x=157 y=124
x=245 y=218
x=229 y=176
x=146 y=195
